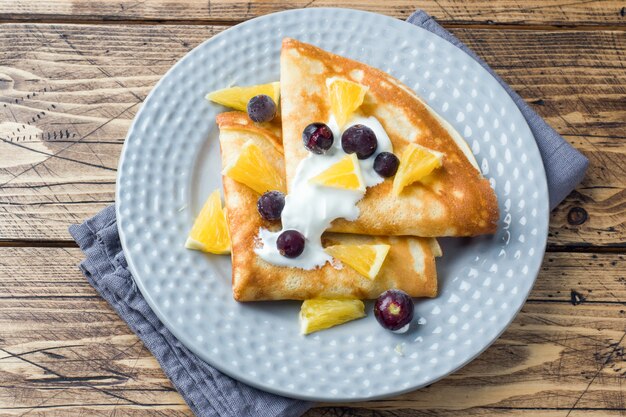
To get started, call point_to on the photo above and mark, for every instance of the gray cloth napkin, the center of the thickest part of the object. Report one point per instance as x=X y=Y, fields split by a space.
x=207 y=391
x=565 y=166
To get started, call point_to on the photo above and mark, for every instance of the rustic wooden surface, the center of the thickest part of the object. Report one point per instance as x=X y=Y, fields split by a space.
x=68 y=96
x=558 y=13
x=64 y=352
x=73 y=73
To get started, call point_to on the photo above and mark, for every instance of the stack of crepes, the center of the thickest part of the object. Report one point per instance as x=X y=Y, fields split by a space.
x=453 y=200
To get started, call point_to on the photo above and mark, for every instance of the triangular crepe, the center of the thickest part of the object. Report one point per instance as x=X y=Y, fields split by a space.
x=455 y=200
x=410 y=264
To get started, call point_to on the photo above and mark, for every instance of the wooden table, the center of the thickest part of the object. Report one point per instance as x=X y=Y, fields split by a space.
x=73 y=74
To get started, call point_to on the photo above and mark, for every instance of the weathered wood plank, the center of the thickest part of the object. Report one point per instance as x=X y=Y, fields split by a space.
x=104 y=410
x=471 y=412
x=518 y=12
x=76 y=103
x=600 y=278
x=63 y=351
x=72 y=91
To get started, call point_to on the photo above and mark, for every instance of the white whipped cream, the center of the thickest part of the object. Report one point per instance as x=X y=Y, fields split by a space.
x=310 y=208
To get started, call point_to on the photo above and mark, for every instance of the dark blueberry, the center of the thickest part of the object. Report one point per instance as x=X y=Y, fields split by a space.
x=318 y=138
x=359 y=139
x=386 y=164
x=290 y=243
x=394 y=309
x=270 y=205
x=261 y=108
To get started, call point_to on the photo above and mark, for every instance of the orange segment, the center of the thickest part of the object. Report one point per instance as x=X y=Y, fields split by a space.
x=319 y=314
x=416 y=163
x=251 y=168
x=237 y=97
x=345 y=97
x=346 y=174
x=210 y=230
x=365 y=259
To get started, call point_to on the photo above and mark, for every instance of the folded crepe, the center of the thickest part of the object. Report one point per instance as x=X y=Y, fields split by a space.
x=454 y=200
x=409 y=266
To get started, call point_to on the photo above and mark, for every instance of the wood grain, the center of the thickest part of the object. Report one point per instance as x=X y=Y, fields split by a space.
x=68 y=94
x=509 y=12
x=64 y=352
x=471 y=412
x=51 y=273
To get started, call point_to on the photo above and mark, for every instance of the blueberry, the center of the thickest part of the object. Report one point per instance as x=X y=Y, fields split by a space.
x=317 y=138
x=270 y=205
x=261 y=108
x=290 y=243
x=386 y=164
x=359 y=139
x=394 y=309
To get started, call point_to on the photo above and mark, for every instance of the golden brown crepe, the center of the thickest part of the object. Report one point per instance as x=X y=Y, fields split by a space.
x=410 y=264
x=455 y=200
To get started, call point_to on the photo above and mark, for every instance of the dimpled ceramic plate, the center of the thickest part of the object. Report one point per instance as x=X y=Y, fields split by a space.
x=171 y=162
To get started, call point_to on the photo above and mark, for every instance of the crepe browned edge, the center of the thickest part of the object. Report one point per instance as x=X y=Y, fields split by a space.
x=455 y=200
x=410 y=264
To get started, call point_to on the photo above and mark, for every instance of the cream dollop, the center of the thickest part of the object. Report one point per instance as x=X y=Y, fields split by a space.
x=310 y=208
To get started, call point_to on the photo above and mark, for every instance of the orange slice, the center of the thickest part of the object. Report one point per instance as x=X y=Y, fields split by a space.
x=346 y=174
x=319 y=314
x=345 y=97
x=365 y=259
x=237 y=97
x=416 y=163
x=210 y=230
x=251 y=168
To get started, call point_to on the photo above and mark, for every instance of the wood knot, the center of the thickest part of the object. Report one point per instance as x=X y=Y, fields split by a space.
x=577 y=216
x=576 y=298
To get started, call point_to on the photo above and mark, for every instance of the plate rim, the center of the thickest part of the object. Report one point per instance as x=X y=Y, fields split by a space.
x=241 y=376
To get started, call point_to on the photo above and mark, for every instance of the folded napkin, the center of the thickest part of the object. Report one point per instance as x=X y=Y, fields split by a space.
x=206 y=390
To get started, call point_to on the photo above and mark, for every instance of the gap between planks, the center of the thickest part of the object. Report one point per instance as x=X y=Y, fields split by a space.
x=68 y=243
x=459 y=24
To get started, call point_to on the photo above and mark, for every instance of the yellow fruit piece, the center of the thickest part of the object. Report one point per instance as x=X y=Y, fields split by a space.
x=346 y=174
x=365 y=259
x=416 y=163
x=210 y=230
x=252 y=169
x=237 y=97
x=345 y=97
x=319 y=313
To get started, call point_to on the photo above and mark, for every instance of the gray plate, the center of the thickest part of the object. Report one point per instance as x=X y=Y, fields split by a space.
x=171 y=163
